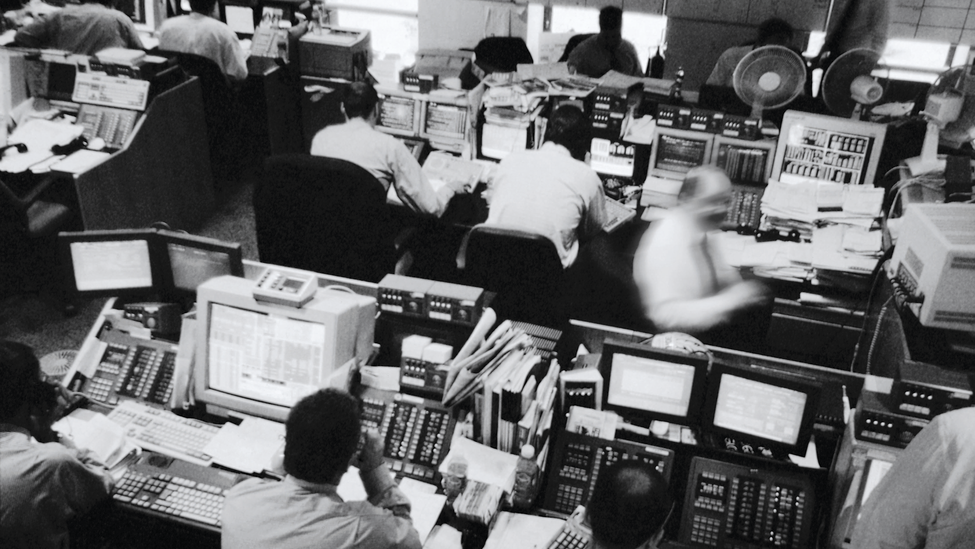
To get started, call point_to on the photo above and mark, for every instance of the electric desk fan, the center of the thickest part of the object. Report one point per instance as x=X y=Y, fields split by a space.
x=56 y=364
x=769 y=77
x=847 y=84
x=950 y=114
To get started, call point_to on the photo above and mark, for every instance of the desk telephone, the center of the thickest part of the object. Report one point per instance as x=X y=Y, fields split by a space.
x=416 y=432
x=111 y=124
x=577 y=460
x=732 y=506
x=129 y=367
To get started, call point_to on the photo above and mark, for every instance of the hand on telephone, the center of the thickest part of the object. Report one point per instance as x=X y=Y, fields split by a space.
x=371 y=454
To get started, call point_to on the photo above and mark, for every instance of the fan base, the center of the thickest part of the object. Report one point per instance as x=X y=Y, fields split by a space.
x=920 y=165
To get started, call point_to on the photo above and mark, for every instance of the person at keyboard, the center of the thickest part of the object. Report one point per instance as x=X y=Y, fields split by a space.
x=85 y=29
x=629 y=507
x=201 y=34
x=551 y=191
x=382 y=155
x=685 y=285
x=304 y=510
x=44 y=484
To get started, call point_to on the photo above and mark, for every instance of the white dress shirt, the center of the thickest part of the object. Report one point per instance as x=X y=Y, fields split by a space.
x=202 y=35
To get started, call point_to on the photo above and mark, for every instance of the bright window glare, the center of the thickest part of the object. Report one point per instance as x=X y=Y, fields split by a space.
x=915 y=54
x=389 y=34
x=645 y=31
x=398 y=5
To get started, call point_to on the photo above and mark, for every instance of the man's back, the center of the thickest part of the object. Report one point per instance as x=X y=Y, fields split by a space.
x=196 y=33
x=292 y=514
x=550 y=193
x=85 y=29
x=43 y=486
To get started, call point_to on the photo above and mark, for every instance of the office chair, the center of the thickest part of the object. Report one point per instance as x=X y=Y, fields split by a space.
x=222 y=113
x=324 y=215
x=29 y=223
x=496 y=54
x=524 y=269
x=571 y=45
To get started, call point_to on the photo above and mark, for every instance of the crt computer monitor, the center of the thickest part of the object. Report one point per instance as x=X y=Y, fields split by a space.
x=400 y=113
x=191 y=260
x=815 y=147
x=643 y=383
x=675 y=152
x=259 y=359
x=755 y=405
x=745 y=162
x=117 y=263
x=444 y=121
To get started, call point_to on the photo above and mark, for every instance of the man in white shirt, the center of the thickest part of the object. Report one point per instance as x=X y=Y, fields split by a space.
x=43 y=484
x=199 y=33
x=84 y=29
x=685 y=284
x=551 y=191
x=382 y=155
x=927 y=499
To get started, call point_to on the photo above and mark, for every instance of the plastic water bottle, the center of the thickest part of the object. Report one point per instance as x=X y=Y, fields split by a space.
x=526 y=479
x=455 y=478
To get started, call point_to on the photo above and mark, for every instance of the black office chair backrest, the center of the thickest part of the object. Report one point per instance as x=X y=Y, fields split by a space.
x=497 y=54
x=571 y=45
x=524 y=269
x=222 y=112
x=325 y=215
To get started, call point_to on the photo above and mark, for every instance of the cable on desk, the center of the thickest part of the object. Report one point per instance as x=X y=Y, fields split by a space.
x=876 y=333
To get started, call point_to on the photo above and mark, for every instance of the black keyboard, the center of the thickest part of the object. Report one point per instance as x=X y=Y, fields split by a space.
x=175 y=489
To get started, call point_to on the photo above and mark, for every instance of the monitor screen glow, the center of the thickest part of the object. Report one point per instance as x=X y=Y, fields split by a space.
x=675 y=152
x=264 y=357
x=111 y=264
x=398 y=113
x=445 y=120
x=759 y=409
x=650 y=385
x=192 y=266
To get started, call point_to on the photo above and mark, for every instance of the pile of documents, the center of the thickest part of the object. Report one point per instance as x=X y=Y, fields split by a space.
x=836 y=223
x=512 y=387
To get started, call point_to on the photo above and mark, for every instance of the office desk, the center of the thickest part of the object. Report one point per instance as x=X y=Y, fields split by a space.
x=269 y=105
x=159 y=175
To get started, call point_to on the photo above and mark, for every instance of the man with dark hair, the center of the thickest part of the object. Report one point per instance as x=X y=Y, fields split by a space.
x=629 y=507
x=304 y=510
x=382 y=155
x=551 y=191
x=201 y=34
x=43 y=484
x=771 y=32
x=85 y=29
x=606 y=51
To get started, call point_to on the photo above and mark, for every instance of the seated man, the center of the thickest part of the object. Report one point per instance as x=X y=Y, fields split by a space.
x=43 y=484
x=551 y=191
x=381 y=154
x=629 y=507
x=771 y=32
x=201 y=34
x=927 y=499
x=684 y=283
x=84 y=29
x=304 y=510
x=606 y=51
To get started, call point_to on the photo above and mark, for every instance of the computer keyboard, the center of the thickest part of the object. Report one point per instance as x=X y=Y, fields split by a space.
x=165 y=432
x=568 y=539
x=175 y=488
x=616 y=215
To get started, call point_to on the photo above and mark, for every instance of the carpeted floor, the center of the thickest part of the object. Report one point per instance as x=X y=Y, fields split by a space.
x=39 y=322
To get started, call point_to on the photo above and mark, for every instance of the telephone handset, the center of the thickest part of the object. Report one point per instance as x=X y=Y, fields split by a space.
x=269 y=42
